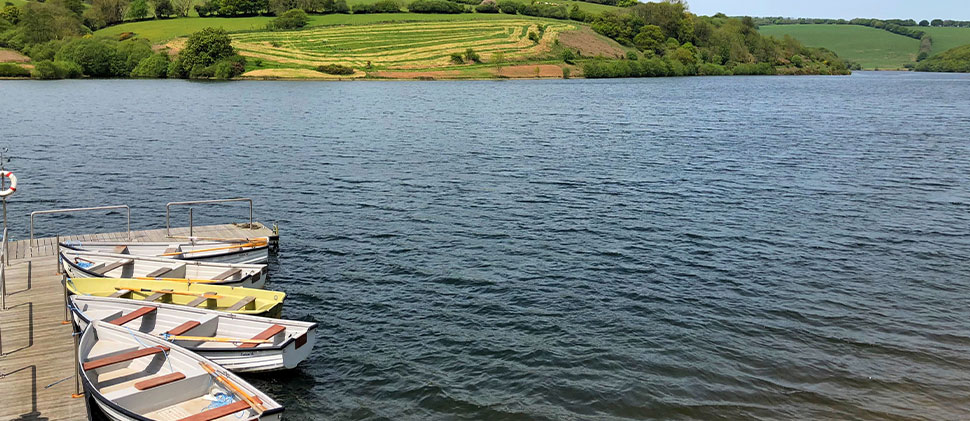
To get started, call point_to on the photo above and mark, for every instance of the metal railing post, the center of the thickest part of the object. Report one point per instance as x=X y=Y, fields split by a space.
x=44 y=212
x=57 y=253
x=168 y=211
x=191 y=228
x=4 y=261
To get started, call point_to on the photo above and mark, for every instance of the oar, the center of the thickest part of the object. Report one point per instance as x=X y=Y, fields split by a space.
x=191 y=294
x=194 y=281
x=253 y=401
x=168 y=337
x=238 y=246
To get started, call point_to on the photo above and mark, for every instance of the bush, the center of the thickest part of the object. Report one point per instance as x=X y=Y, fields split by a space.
x=335 y=69
x=487 y=7
x=471 y=55
x=13 y=70
x=95 y=56
x=203 y=49
x=565 y=73
x=753 y=69
x=457 y=58
x=44 y=51
x=534 y=37
x=435 y=6
x=47 y=69
x=568 y=56
x=508 y=6
x=382 y=6
x=710 y=69
x=632 y=55
x=291 y=19
x=155 y=66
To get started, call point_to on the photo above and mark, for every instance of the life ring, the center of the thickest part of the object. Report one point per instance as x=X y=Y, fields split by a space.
x=13 y=184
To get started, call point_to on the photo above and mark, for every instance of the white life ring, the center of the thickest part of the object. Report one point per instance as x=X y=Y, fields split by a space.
x=13 y=184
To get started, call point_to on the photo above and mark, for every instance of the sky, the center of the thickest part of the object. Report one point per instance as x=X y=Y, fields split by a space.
x=846 y=9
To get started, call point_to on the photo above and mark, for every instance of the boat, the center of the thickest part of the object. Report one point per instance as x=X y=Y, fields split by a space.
x=237 y=342
x=255 y=302
x=244 y=250
x=94 y=264
x=133 y=376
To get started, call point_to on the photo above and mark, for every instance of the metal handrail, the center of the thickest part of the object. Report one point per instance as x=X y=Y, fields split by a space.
x=4 y=261
x=77 y=210
x=199 y=202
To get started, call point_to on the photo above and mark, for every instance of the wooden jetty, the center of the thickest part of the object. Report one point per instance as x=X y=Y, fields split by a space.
x=36 y=347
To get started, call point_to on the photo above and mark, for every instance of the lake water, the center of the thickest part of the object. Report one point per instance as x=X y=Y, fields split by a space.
x=684 y=248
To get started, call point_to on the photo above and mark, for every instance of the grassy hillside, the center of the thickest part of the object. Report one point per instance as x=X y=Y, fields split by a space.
x=167 y=29
x=953 y=60
x=870 y=47
x=947 y=38
x=418 y=45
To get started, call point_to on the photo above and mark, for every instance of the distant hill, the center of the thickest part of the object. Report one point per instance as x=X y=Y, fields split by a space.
x=953 y=60
x=870 y=47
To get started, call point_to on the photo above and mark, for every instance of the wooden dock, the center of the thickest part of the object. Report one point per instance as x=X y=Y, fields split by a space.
x=36 y=348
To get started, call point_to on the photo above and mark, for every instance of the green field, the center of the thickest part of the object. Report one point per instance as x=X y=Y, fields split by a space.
x=163 y=30
x=947 y=38
x=413 y=45
x=870 y=47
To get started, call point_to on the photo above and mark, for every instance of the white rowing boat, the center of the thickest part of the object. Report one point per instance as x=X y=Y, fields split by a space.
x=248 y=250
x=134 y=376
x=96 y=264
x=237 y=342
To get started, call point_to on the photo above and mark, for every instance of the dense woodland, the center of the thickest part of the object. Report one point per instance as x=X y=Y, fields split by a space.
x=665 y=38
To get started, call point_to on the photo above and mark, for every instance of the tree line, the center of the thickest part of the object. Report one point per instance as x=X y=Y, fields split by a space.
x=673 y=41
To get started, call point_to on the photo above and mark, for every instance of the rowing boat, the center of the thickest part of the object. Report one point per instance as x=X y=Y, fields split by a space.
x=94 y=264
x=134 y=376
x=237 y=342
x=255 y=302
x=249 y=250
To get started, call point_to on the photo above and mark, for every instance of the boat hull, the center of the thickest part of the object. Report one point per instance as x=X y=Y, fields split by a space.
x=75 y=271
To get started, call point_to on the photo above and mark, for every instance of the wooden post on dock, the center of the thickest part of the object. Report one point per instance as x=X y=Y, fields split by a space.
x=67 y=316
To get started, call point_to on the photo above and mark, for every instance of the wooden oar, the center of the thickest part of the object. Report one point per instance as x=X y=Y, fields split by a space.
x=194 y=281
x=253 y=401
x=238 y=246
x=191 y=294
x=168 y=337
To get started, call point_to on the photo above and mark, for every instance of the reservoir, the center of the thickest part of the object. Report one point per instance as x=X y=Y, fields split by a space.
x=677 y=248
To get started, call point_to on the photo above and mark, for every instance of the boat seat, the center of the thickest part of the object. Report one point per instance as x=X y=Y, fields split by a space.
x=266 y=334
x=127 y=356
x=157 y=273
x=200 y=300
x=216 y=413
x=158 y=381
x=184 y=327
x=159 y=294
x=245 y=302
x=133 y=315
x=173 y=251
x=120 y=293
x=227 y=274
x=112 y=266
x=121 y=249
x=94 y=267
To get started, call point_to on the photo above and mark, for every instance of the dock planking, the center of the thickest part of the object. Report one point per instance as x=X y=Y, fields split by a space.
x=36 y=349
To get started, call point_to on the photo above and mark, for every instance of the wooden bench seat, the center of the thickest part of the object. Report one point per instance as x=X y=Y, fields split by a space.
x=120 y=293
x=200 y=300
x=112 y=266
x=158 y=295
x=157 y=273
x=227 y=274
x=158 y=381
x=266 y=334
x=133 y=315
x=242 y=303
x=184 y=327
x=216 y=413
x=128 y=356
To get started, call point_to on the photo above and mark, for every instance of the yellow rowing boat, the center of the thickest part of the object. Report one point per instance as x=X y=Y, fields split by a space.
x=238 y=300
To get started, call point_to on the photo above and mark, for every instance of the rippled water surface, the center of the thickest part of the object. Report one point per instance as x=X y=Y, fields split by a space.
x=695 y=248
